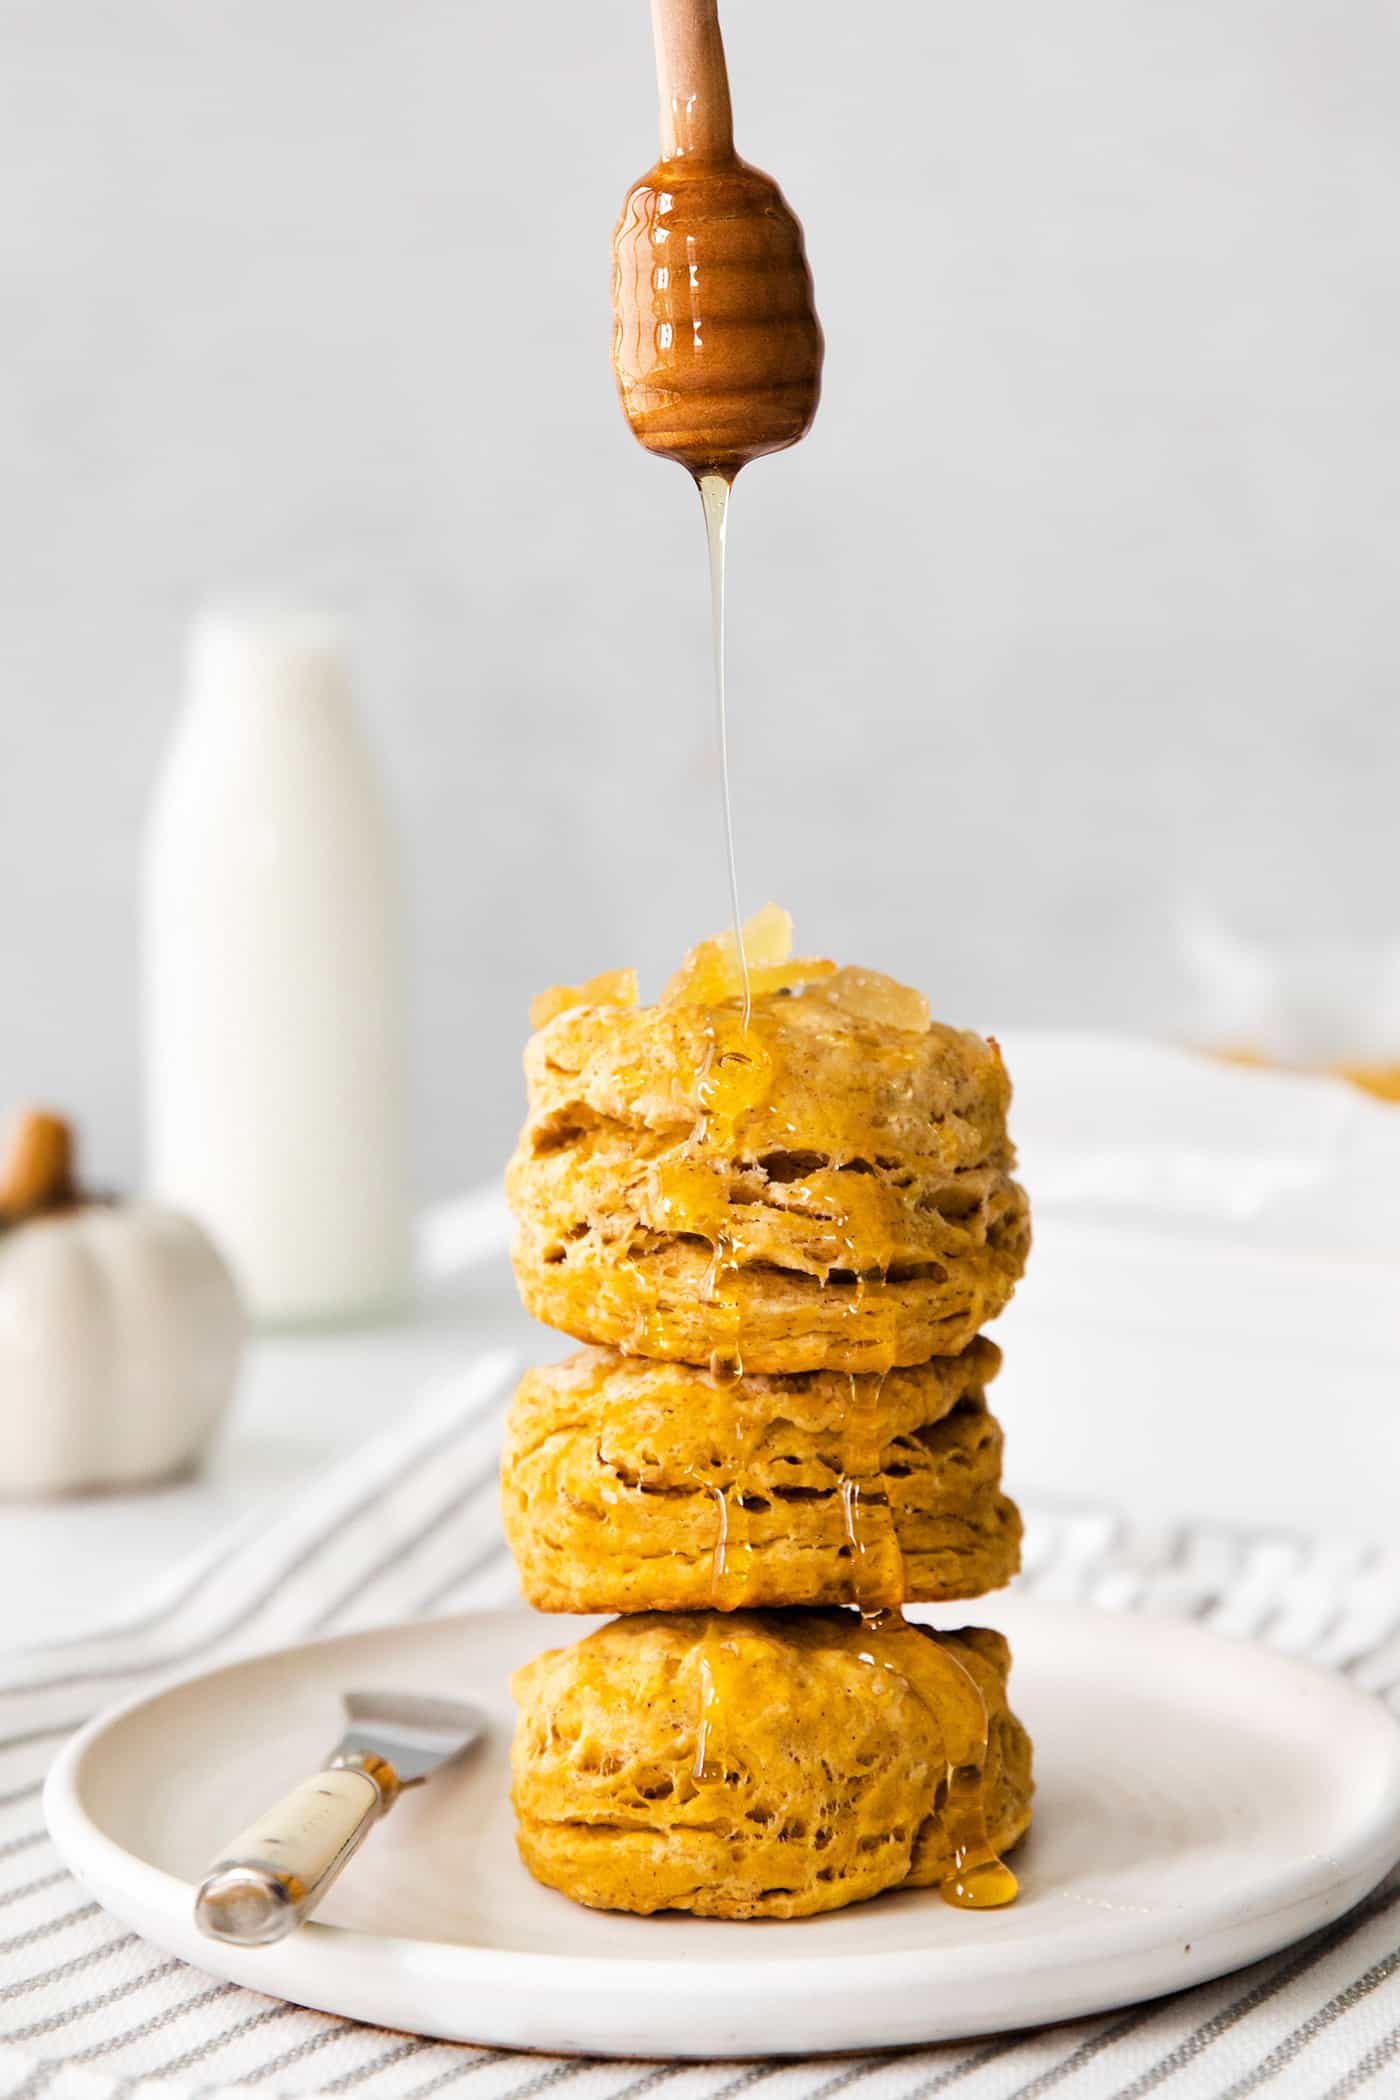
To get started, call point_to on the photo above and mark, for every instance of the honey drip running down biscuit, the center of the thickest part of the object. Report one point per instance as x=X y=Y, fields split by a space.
x=975 y=1876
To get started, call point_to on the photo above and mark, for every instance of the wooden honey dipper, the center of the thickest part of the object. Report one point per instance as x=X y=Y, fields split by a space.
x=716 y=344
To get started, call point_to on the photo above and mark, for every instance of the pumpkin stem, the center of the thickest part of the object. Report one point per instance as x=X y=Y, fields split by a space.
x=38 y=1171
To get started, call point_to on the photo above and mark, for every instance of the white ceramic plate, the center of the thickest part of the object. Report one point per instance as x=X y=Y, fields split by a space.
x=1200 y=1804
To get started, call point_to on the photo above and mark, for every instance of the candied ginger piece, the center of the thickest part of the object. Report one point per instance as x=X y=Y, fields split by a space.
x=610 y=988
x=767 y=937
x=706 y=976
x=711 y=973
x=790 y=976
x=868 y=995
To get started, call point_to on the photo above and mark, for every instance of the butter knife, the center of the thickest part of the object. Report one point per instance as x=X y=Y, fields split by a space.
x=272 y=1875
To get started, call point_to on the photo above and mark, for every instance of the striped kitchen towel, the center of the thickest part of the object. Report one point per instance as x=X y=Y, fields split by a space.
x=408 y=1525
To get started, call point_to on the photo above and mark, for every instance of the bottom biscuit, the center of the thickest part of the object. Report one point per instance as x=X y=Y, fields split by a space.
x=769 y=1764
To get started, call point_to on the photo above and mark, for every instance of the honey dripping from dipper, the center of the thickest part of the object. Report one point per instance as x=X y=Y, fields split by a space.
x=717 y=353
x=716 y=345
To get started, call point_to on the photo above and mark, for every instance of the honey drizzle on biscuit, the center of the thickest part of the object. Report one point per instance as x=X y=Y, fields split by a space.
x=735 y=1072
x=877 y=1561
x=730 y=1075
x=978 y=1878
x=716 y=1667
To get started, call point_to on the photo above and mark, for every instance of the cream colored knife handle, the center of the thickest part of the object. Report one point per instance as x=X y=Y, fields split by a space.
x=275 y=1873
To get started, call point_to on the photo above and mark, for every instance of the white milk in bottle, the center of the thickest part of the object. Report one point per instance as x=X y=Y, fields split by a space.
x=275 y=994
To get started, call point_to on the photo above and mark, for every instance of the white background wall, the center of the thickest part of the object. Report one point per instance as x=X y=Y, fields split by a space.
x=1081 y=594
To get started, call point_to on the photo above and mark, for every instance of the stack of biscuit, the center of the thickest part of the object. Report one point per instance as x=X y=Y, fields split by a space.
x=777 y=1222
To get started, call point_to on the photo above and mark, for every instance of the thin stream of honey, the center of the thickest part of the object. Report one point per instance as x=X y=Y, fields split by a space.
x=692 y=1200
x=735 y=1075
x=714 y=497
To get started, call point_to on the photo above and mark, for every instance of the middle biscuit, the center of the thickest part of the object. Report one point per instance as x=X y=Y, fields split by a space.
x=635 y=1486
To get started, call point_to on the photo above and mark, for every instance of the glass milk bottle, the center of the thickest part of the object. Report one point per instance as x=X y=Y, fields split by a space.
x=275 y=1006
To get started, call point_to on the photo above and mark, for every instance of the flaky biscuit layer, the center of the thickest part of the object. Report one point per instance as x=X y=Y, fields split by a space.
x=635 y=1486
x=761 y=1765
x=826 y=1190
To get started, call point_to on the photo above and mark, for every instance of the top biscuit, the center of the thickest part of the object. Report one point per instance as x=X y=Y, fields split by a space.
x=826 y=1187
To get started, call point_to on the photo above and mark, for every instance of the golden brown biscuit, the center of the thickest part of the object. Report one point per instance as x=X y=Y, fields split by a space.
x=768 y=1765
x=632 y=1486
x=824 y=1190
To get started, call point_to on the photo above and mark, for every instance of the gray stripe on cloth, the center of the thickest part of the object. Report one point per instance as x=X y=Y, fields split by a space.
x=363 y=1506
x=1355 y=1664
x=649 y=2081
x=1002 y=2046
x=560 y=2075
x=24 y=1843
x=407 y=1547
x=30 y=1736
x=202 y=2051
x=413 y=2046
x=442 y=1590
x=482 y=2061
x=332 y=2031
x=48 y=1928
x=223 y=1551
x=10 y=1991
x=1326 y=2016
x=1086 y=2051
x=157 y=2021
x=852 y=2075
x=1365 y=2068
x=38 y=2081
x=949 y=2075
x=34 y=1888
x=1287 y=1969
x=755 y=2075
x=92 y=2005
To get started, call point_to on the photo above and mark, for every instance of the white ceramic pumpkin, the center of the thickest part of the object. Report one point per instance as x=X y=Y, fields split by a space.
x=121 y=1331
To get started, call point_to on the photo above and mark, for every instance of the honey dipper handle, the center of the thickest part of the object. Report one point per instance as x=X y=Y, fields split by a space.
x=696 y=121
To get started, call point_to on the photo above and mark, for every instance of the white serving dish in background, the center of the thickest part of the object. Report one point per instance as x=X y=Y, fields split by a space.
x=1210 y=1324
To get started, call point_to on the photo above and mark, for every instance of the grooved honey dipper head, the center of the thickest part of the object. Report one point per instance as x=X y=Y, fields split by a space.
x=716 y=344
